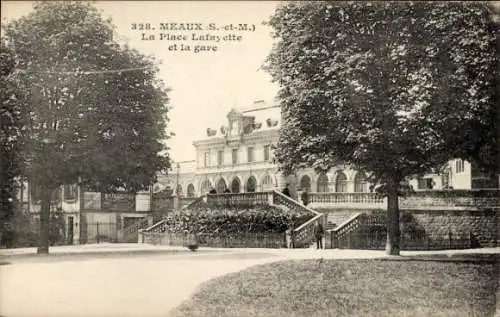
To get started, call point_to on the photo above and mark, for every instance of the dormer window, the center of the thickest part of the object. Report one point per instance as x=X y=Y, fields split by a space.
x=235 y=127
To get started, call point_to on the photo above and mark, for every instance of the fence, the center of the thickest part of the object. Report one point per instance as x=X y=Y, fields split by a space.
x=239 y=240
x=374 y=238
x=98 y=232
x=370 y=233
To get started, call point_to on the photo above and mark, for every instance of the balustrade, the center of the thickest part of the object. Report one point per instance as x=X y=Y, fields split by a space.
x=435 y=198
x=303 y=235
x=342 y=235
x=239 y=199
x=346 y=198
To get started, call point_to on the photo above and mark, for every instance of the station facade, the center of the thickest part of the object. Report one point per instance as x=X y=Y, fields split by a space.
x=238 y=155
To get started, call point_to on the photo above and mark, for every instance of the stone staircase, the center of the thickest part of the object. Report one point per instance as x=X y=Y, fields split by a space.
x=335 y=219
x=303 y=234
x=343 y=236
x=340 y=225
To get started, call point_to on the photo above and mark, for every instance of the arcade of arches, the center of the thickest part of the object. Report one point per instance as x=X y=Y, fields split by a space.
x=341 y=181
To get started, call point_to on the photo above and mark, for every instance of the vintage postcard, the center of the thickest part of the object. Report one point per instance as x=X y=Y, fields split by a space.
x=249 y=159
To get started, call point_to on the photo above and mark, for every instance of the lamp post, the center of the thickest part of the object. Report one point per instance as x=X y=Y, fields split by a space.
x=46 y=195
x=178 y=166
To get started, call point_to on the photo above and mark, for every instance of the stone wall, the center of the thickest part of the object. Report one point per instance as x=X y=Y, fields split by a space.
x=481 y=227
x=431 y=229
x=241 y=240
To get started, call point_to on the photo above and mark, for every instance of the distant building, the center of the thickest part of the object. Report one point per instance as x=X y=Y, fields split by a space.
x=89 y=216
x=238 y=155
x=457 y=174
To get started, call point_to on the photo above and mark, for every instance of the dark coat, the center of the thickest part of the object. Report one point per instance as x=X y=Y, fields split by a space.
x=318 y=231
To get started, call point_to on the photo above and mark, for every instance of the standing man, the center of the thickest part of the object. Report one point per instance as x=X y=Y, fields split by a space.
x=318 y=234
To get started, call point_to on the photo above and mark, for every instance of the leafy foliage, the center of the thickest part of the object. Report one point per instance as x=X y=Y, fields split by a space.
x=394 y=89
x=83 y=114
x=11 y=118
x=96 y=113
x=227 y=221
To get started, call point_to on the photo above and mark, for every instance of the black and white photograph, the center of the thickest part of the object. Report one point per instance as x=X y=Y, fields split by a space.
x=250 y=159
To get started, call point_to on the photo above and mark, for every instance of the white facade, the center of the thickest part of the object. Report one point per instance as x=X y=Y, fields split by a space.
x=457 y=174
x=238 y=155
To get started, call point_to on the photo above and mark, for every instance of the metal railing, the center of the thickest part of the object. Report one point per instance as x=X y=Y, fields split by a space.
x=367 y=235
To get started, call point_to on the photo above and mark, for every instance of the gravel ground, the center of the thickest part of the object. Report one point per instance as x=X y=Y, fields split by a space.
x=131 y=280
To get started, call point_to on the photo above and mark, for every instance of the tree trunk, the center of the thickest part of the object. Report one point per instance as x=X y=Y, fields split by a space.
x=393 y=231
x=43 y=246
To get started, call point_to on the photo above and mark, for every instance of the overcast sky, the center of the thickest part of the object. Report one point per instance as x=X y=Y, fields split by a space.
x=205 y=85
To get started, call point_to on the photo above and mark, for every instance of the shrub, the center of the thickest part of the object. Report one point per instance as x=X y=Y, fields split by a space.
x=227 y=221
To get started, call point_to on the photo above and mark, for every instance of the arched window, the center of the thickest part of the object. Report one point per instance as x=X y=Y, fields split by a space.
x=235 y=185
x=323 y=183
x=251 y=184
x=221 y=186
x=190 y=191
x=341 y=183
x=267 y=183
x=205 y=187
x=360 y=183
x=305 y=183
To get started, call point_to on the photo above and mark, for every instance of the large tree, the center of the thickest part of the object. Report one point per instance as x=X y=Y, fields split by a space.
x=10 y=143
x=97 y=112
x=394 y=89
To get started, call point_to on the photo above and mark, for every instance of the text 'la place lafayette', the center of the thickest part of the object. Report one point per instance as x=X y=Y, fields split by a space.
x=208 y=37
